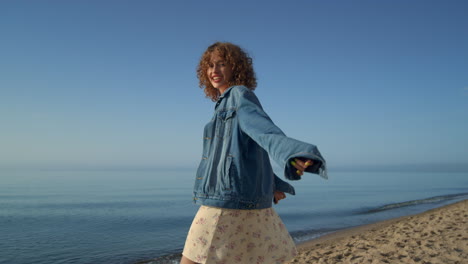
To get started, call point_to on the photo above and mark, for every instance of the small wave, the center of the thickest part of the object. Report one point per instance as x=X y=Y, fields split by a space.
x=307 y=235
x=173 y=258
x=435 y=199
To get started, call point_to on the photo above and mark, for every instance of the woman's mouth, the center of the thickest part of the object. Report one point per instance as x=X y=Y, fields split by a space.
x=216 y=79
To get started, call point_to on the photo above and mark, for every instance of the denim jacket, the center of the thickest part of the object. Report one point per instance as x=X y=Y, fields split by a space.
x=235 y=170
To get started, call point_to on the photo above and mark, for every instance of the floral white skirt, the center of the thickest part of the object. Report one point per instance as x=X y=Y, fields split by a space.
x=225 y=236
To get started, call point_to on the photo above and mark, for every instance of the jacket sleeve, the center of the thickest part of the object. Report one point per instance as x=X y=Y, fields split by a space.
x=257 y=125
x=283 y=186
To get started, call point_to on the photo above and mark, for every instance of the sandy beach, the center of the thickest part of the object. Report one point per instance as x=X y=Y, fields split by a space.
x=436 y=236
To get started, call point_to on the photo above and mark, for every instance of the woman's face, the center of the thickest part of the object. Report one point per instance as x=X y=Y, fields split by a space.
x=219 y=72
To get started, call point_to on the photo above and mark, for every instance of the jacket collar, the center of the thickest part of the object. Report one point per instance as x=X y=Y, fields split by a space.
x=225 y=94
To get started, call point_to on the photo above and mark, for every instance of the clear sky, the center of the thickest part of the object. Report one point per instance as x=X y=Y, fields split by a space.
x=113 y=84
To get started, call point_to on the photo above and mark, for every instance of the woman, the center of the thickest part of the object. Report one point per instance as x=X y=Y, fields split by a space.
x=235 y=184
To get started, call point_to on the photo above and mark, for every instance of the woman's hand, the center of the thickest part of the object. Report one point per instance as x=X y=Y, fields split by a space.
x=278 y=196
x=301 y=165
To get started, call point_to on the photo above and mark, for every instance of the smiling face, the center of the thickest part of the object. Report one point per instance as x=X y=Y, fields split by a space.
x=219 y=73
x=223 y=65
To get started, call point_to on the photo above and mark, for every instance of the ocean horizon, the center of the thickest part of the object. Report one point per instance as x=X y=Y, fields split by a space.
x=129 y=216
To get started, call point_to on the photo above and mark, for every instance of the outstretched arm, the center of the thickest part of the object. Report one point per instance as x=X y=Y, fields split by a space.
x=257 y=124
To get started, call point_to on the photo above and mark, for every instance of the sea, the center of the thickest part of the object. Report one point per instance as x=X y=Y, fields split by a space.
x=143 y=216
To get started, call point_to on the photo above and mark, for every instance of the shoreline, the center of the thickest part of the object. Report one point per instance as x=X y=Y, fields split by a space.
x=404 y=239
x=438 y=235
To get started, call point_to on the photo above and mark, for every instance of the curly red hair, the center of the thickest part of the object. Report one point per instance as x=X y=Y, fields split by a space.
x=239 y=61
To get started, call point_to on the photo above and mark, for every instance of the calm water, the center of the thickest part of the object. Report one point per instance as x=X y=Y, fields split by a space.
x=129 y=216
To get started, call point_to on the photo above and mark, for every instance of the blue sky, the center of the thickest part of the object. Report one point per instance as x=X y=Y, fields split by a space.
x=91 y=84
